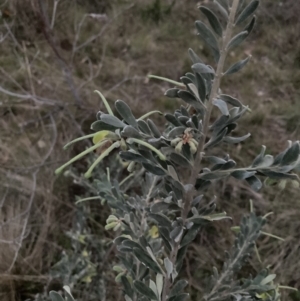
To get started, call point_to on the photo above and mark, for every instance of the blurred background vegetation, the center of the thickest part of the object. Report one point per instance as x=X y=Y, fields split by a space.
x=53 y=55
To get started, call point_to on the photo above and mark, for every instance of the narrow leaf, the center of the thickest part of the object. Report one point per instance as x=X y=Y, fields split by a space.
x=112 y=120
x=68 y=294
x=161 y=219
x=257 y=161
x=146 y=260
x=238 y=66
x=153 y=169
x=279 y=175
x=221 y=105
x=209 y=38
x=55 y=296
x=144 y=290
x=292 y=155
x=143 y=126
x=222 y=10
x=180 y=160
x=201 y=86
x=101 y=126
x=250 y=26
x=234 y=140
x=190 y=99
x=249 y=10
x=131 y=156
x=153 y=128
x=254 y=182
x=231 y=100
x=124 y=110
x=237 y=40
x=194 y=57
x=202 y=68
x=190 y=235
x=169 y=266
x=213 y=20
x=224 y=3
x=243 y=174
x=172 y=119
x=130 y=132
x=127 y=286
x=178 y=287
x=172 y=93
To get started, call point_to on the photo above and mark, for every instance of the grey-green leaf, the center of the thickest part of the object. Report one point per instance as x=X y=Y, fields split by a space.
x=240 y=6
x=292 y=154
x=215 y=140
x=153 y=169
x=55 y=296
x=181 y=297
x=112 y=120
x=190 y=99
x=101 y=126
x=153 y=128
x=243 y=174
x=161 y=219
x=237 y=66
x=221 y=105
x=233 y=140
x=146 y=260
x=130 y=132
x=190 y=235
x=180 y=160
x=143 y=126
x=127 y=286
x=172 y=93
x=194 y=57
x=224 y=3
x=260 y=158
x=222 y=9
x=169 y=266
x=279 y=175
x=213 y=20
x=250 y=26
x=124 y=110
x=248 y=11
x=254 y=182
x=201 y=86
x=209 y=38
x=68 y=294
x=202 y=68
x=231 y=100
x=144 y=290
x=131 y=156
x=178 y=287
x=237 y=40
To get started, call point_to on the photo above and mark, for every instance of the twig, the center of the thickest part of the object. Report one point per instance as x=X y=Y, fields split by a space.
x=54 y=13
x=26 y=221
x=50 y=39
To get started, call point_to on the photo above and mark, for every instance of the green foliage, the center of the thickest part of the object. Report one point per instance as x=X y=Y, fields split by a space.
x=174 y=169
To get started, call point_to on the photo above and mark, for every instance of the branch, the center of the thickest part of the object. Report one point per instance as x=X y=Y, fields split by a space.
x=195 y=171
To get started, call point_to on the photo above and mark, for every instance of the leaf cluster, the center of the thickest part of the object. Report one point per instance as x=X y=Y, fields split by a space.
x=174 y=167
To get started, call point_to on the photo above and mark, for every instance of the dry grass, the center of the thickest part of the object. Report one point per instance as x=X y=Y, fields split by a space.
x=47 y=76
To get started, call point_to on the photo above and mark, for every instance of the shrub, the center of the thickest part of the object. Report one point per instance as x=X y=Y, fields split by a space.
x=175 y=169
